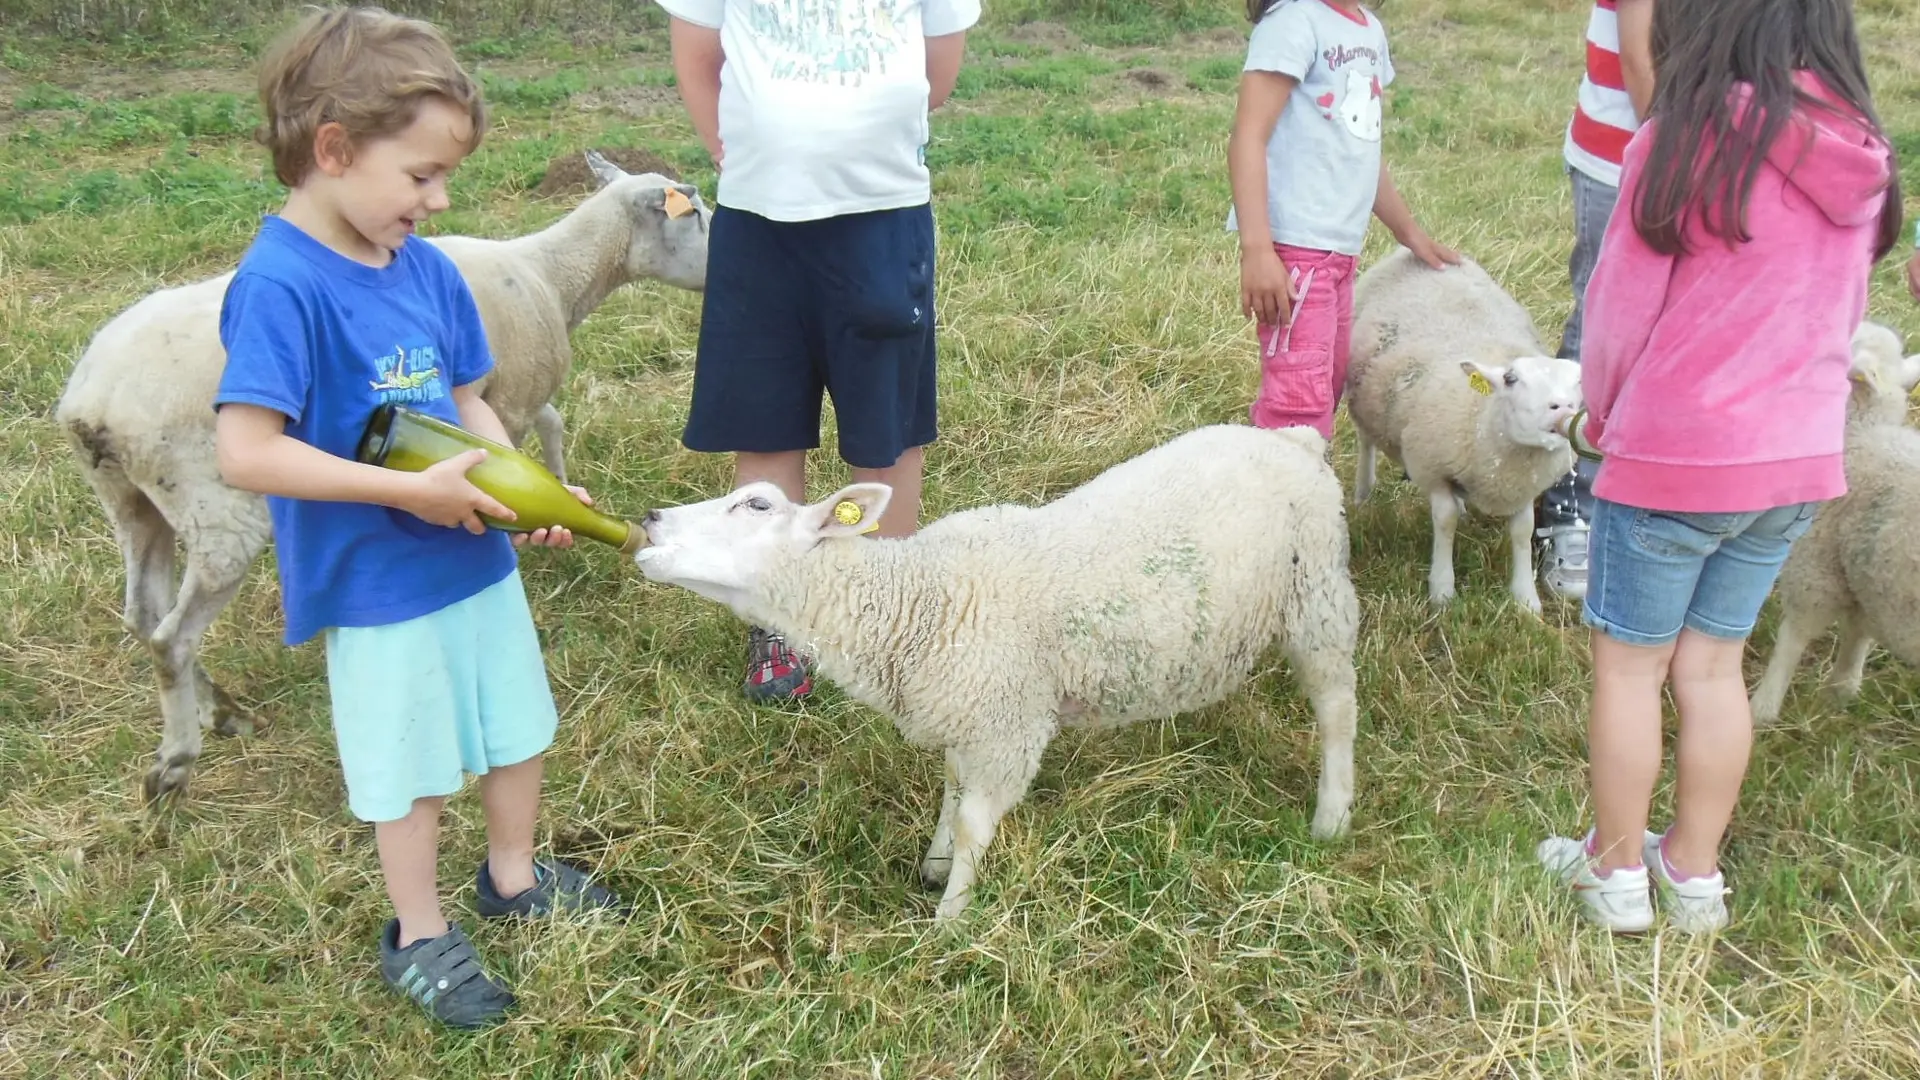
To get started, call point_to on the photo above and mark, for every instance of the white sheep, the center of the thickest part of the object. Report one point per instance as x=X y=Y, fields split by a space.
x=1449 y=379
x=1857 y=563
x=138 y=410
x=1151 y=590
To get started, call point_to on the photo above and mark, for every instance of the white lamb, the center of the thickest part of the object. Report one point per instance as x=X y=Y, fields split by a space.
x=138 y=409
x=1857 y=563
x=1448 y=378
x=1151 y=590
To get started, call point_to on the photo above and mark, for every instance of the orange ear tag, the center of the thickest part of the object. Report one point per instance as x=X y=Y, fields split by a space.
x=678 y=205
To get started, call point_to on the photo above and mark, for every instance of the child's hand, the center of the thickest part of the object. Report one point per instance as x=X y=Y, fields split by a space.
x=1913 y=275
x=1266 y=292
x=1432 y=252
x=442 y=495
x=556 y=537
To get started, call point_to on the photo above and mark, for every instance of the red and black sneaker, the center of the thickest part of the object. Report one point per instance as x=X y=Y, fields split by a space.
x=773 y=670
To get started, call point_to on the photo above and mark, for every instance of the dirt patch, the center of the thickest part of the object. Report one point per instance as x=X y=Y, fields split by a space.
x=567 y=174
x=1043 y=33
x=631 y=100
x=1153 y=80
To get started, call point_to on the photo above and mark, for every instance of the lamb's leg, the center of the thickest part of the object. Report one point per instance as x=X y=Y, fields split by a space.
x=1850 y=663
x=1446 y=519
x=1520 y=577
x=1797 y=629
x=934 y=869
x=175 y=645
x=551 y=429
x=1320 y=651
x=1365 y=468
x=147 y=550
x=991 y=782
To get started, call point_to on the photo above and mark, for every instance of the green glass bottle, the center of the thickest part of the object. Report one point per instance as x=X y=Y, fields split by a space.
x=412 y=441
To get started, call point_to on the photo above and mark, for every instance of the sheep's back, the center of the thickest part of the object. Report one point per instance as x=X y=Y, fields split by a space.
x=1873 y=528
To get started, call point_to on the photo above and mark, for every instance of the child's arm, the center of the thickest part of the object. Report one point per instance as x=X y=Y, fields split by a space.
x=256 y=454
x=1635 y=19
x=697 y=58
x=943 y=66
x=1392 y=211
x=1265 y=292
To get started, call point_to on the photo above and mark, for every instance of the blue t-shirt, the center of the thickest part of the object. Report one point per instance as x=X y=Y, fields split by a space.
x=325 y=340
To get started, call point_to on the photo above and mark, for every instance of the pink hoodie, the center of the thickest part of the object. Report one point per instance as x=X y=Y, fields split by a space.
x=1716 y=381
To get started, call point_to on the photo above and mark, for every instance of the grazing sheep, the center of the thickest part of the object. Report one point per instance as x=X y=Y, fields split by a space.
x=1857 y=563
x=1151 y=590
x=138 y=410
x=1448 y=378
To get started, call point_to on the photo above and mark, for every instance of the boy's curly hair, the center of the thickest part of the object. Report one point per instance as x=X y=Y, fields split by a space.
x=363 y=68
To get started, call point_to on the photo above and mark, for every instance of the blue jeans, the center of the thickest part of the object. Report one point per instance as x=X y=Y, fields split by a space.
x=1571 y=496
x=1654 y=571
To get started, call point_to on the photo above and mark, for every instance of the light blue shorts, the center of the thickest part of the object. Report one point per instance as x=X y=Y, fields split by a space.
x=417 y=704
x=1650 y=572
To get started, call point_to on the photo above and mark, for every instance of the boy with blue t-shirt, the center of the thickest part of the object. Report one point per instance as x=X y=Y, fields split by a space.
x=821 y=250
x=336 y=309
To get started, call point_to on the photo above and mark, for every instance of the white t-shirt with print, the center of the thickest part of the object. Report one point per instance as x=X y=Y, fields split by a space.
x=1323 y=158
x=823 y=103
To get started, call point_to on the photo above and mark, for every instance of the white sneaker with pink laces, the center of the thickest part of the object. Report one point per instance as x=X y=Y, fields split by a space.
x=1621 y=901
x=1696 y=905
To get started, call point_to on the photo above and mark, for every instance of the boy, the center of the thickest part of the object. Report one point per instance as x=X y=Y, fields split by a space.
x=1615 y=94
x=432 y=663
x=820 y=256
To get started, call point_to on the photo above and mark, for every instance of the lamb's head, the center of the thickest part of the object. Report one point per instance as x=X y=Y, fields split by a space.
x=1530 y=397
x=728 y=549
x=1882 y=378
x=669 y=238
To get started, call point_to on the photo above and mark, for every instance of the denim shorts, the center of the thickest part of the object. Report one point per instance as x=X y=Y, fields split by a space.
x=420 y=703
x=1651 y=572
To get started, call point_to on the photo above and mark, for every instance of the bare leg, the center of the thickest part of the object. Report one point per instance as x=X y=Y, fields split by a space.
x=1446 y=519
x=409 y=860
x=1716 y=736
x=1623 y=744
x=935 y=867
x=787 y=470
x=511 y=798
x=904 y=477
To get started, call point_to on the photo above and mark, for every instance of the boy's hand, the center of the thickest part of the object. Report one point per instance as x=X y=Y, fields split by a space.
x=1913 y=275
x=1266 y=291
x=556 y=537
x=442 y=495
x=1431 y=251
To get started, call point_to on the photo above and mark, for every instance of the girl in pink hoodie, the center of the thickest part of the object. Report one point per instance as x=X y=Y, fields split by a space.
x=1753 y=205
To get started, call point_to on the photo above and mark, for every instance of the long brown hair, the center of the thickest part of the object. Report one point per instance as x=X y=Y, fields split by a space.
x=1701 y=49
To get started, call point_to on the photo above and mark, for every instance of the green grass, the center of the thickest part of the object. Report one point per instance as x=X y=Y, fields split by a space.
x=1155 y=907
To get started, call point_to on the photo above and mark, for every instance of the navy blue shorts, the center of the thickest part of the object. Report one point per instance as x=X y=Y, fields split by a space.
x=792 y=308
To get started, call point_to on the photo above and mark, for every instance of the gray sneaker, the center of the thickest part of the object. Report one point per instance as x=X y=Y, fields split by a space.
x=1563 y=559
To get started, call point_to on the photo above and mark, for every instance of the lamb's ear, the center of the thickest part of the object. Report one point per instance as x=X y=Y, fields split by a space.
x=675 y=200
x=1484 y=377
x=603 y=170
x=852 y=510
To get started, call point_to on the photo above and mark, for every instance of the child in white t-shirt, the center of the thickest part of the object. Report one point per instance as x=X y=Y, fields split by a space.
x=820 y=258
x=1306 y=170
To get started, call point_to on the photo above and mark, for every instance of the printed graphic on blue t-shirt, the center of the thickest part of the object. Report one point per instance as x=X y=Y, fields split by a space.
x=326 y=341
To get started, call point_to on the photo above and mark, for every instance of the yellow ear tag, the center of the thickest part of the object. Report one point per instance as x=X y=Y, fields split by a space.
x=678 y=205
x=847 y=513
x=1479 y=383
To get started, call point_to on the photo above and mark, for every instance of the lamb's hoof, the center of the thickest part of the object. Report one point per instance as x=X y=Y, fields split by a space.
x=1330 y=824
x=167 y=777
x=1843 y=693
x=1439 y=599
x=229 y=718
x=951 y=908
x=933 y=874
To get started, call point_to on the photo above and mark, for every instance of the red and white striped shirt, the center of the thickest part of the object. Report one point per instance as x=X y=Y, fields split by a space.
x=1603 y=118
